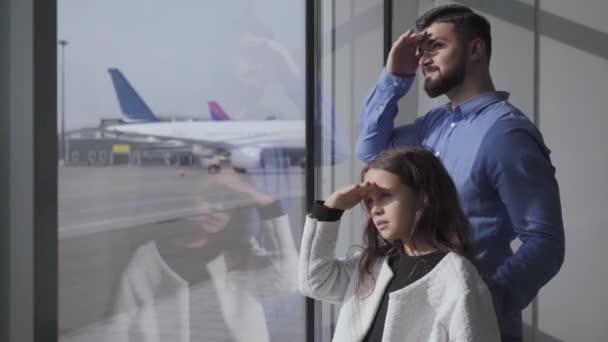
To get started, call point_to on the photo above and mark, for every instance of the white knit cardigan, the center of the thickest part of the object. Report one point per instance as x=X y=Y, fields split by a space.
x=450 y=303
x=153 y=301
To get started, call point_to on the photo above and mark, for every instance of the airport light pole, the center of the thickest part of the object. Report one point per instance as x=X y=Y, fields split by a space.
x=63 y=43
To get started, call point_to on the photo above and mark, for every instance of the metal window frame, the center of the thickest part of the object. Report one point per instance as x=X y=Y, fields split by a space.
x=28 y=172
x=312 y=77
x=46 y=269
x=311 y=60
x=388 y=27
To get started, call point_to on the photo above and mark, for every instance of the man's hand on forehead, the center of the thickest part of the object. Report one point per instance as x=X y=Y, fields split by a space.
x=404 y=55
x=421 y=37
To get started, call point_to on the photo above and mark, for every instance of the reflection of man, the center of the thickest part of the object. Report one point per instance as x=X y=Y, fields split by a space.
x=260 y=64
x=495 y=155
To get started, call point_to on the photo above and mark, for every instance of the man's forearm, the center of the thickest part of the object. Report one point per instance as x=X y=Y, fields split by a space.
x=523 y=274
x=378 y=112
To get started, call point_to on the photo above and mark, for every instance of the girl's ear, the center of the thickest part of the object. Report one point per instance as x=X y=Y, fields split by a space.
x=417 y=215
x=423 y=201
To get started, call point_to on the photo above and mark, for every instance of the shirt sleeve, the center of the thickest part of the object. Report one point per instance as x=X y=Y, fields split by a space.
x=325 y=214
x=321 y=275
x=376 y=131
x=520 y=170
x=270 y=211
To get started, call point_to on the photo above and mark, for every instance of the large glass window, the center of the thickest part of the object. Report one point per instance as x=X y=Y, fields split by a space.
x=171 y=201
x=350 y=56
x=181 y=172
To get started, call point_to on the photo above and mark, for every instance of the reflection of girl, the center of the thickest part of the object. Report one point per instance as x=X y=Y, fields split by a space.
x=414 y=280
x=204 y=283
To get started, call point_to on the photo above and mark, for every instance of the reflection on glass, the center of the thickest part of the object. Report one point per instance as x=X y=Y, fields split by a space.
x=204 y=281
x=177 y=225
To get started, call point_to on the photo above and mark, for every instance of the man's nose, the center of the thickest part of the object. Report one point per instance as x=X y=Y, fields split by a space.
x=425 y=59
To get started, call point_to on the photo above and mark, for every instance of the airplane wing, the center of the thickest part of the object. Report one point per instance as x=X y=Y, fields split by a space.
x=224 y=134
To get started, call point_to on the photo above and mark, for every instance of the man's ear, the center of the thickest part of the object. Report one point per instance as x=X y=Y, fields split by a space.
x=477 y=50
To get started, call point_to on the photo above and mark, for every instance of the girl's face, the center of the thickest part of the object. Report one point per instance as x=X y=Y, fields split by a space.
x=393 y=206
x=215 y=221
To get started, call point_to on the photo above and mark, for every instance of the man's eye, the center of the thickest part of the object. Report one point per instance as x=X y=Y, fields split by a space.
x=431 y=47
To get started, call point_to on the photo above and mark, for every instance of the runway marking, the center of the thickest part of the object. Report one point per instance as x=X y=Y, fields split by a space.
x=131 y=221
x=134 y=203
x=118 y=223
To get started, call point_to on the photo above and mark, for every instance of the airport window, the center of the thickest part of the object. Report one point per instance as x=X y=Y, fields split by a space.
x=181 y=173
x=350 y=53
x=104 y=217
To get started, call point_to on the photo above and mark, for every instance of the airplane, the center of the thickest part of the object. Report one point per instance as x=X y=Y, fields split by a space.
x=131 y=104
x=253 y=144
x=216 y=112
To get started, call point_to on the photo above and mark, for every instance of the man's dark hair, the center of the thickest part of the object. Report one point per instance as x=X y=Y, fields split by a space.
x=467 y=24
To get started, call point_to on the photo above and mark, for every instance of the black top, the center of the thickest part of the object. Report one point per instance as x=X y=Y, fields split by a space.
x=190 y=263
x=407 y=269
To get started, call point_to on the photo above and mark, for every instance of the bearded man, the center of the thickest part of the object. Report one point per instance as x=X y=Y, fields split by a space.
x=495 y=155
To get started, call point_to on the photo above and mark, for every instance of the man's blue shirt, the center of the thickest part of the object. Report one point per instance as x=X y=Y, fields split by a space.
x=504 y=176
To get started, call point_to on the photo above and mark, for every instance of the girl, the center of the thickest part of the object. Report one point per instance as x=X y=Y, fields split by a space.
x=415 y=279
x=204 y=278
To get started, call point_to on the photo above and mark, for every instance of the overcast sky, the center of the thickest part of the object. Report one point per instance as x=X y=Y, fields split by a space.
x=175 y=53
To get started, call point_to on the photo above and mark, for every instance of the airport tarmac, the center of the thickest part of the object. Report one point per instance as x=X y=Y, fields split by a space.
x=106 y=213
x=106 y=198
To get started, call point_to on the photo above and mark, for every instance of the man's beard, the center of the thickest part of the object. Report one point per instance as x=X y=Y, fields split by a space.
x=452 y=78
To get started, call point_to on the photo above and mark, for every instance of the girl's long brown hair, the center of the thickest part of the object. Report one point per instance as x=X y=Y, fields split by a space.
x=442 y=224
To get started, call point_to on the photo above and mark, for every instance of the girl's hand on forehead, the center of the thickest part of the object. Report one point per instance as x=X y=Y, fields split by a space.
x=348 y=196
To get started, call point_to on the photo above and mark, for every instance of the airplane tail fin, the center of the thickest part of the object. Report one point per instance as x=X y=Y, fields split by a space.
x=216 y=112
x=131 y=104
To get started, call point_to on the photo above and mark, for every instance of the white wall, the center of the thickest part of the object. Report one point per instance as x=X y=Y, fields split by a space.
x=573 y=120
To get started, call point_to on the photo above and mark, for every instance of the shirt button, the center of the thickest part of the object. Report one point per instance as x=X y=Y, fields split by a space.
x=381 y=107
x=395 y=83
x=453 y=124
x=437 y=153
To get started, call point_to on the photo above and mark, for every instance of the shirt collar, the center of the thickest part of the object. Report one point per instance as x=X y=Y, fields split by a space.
x=476 y=104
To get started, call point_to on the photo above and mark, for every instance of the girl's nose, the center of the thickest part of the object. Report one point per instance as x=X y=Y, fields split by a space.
x=377 y=210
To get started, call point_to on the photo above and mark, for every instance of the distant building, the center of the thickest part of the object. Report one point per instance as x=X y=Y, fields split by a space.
x=96 y=146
